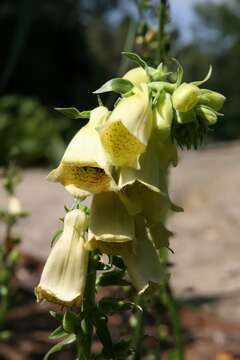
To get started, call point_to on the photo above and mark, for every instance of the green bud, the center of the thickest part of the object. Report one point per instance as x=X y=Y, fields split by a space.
x=185 y=97
x=163 y=115
x=212 y=99
x=207 y=114
x=186 y=117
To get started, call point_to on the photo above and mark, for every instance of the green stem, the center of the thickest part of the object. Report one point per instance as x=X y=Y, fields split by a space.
x=172 y=308
x=137 y=340
x=162 y=15
x=84 y=339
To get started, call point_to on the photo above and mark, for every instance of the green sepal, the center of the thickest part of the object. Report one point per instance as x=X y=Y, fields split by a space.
x=179 y=72
x=57 y=333
x=58 y=347
x=185 y=117
x=118 y=85
x=207 y=77
x=71 y=322
x=73 y=113
x=136 y=59
x=110 y=306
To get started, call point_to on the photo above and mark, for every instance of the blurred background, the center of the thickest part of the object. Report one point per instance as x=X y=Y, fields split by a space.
x=54 y=54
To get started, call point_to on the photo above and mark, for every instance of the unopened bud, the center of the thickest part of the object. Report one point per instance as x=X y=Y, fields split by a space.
x=185 y=97
x=186 y=117
x=207 y=114
x=212 y=99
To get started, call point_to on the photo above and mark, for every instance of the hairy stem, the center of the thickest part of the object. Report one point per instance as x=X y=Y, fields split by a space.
x=137 y=340
x=161 y=42
x=84 y=340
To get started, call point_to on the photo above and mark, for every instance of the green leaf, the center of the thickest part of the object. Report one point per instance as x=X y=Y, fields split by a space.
x=56 y=315
x=56 y=237
x=136 y=59
x=58 y=347
x=173 y=355
x=73 y=113
x=207 y=77
x=112 y=278
x=100 y=322
x=71 y=322
x=109 y=305
x=179 y=72
x=57 y=333
x=117 y=85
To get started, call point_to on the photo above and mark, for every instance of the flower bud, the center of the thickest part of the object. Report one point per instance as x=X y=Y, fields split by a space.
x=84 y=167
x=64 y=274
x=136 y=76
x=185 y=97
x=210 y=116
x=185 y=117
x=14 y=206
x=126 y=133
x=163 y=116
x=211 y=99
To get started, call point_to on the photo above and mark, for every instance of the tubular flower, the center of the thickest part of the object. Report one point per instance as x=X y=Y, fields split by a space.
x=84 y=167
x=109 y=220
x=126 y=133
x=143 y=263
x=64 y=274
x=136 y=76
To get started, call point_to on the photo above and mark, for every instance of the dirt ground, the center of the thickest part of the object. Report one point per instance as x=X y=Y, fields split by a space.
x=206 y=266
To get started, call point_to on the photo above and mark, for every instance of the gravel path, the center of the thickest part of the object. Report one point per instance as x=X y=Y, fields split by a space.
x=206 y=244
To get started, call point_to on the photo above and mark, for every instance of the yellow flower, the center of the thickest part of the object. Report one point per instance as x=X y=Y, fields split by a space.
x=126 y=133
x=136 y=76
x=143 y=262
x=109 y=220
x=144 y=191
x=84 y=167
x=64 y=274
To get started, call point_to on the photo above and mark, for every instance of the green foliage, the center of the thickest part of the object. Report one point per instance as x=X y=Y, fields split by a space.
x=29 y=133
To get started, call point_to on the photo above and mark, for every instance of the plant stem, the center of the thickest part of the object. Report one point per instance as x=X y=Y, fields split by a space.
x=139 y=330
x=171 y=306
x=84 y=341
x=162 y=15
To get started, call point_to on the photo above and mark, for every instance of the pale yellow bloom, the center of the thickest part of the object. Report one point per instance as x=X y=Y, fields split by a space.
x=109 y=219
x=136 y=76
x=127 y=131
x=14 y=206
x=84 y=167
x=143 y=263
x=64 y=274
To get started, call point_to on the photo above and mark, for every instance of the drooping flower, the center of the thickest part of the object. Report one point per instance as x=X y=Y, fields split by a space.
x=64 y=275
x=127 y=131
x=143 y=262
x=84 y=167
x=109 y=220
